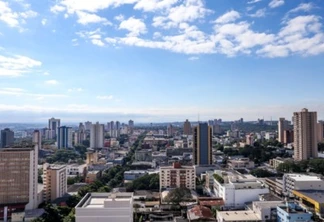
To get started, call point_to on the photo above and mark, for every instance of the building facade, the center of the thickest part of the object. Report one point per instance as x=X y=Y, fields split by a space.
x=64 y=137
x=55 y=181
x=177 y=176
x=283 y=125
x=320 y=131
x=19 y=174
x=54 y=124
x=305 y=135
x=187 y=128
x=7 y=138
x=97 y=135
x=202 y=144
x=293 y=182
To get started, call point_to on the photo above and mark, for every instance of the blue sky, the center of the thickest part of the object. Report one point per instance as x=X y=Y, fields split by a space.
x=160 y=60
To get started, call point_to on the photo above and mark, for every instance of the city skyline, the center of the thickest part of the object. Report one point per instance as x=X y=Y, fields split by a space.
x=161 y=61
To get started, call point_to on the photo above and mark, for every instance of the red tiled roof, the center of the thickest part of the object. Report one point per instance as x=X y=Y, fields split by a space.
x=200 y=212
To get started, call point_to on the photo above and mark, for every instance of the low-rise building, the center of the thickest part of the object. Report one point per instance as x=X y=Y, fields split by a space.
x=236 y=190
x=275 y=185
x=76 y=169
x=266 y=210
x=301 y=182
x=92 y=176
x=102 y=207
x=200 y=213
x=134 y=174
x=236 y=216
x=292 y=213
x=312 y=200
x=55 y=181
x=240 y=163
x=143 y=155
x=177 y=176
x=275 y=162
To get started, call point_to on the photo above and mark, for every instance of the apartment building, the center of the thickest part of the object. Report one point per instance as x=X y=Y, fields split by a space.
x=55 y=181
x=176 y=176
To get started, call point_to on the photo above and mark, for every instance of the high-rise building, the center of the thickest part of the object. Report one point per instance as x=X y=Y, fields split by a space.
x=64 y=137
x=49 y=134
x=320 y=131
x=131 y=123
x=111 y=129
x=305 y=135
x=187 y=128
x=202 y=144
x=131 y=126
x=7 y=138
x=117 y=130
x=97 y=135
x=177 y=176
x=19 y=175
x=288 y=136
x=54 y=124
x=55 y=181
x=87 y=125
x=282 y=126
x=170 y=130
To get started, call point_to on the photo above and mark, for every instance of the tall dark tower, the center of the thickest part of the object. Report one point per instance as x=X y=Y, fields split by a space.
x=202 y=144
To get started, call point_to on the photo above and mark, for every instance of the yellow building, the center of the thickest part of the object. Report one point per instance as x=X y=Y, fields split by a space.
x=313 y=200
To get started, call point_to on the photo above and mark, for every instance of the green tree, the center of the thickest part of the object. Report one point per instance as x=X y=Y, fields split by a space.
x=261 y=173
x=178 y=195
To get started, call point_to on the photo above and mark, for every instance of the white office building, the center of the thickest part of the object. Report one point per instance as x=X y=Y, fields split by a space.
x=102 y=207
x=301 y=182
x=97 y=135
x=236 y=190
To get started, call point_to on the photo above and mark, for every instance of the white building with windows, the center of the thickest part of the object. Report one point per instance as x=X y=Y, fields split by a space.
x=301 y=182
x=236 y=190
x=102 y=207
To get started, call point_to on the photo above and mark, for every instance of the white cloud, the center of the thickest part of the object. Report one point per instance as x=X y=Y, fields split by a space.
x=154 y=5
x=254 y=1
x=134 y=26
x=51 y=82
x=13 y=18
x=193 y=58
x=85 y=18
x=57 y=8
x=119 y=17
x=230 y=16
x=306 y=7
x=109 y=97
x=44 y=21
x=17 y=65
x=188 y=11
x=46 y=74
x=259 y=13
x=98 y=42
x=276 y=3
x=301 y=35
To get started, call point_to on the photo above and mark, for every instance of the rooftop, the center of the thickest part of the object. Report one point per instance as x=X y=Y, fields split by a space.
x=106 y=200
x=316 y=195
x=200 y=212
x=302 y=177
x=239 y=216
x=56 y=167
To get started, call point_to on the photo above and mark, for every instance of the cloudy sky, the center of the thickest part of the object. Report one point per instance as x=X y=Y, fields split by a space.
x=160 y=60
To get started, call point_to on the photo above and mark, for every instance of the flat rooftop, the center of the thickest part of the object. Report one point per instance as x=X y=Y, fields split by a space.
x=239 y=216
x=106 y=200
x=301 y=177
x=316 y=195
x=56 y=167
